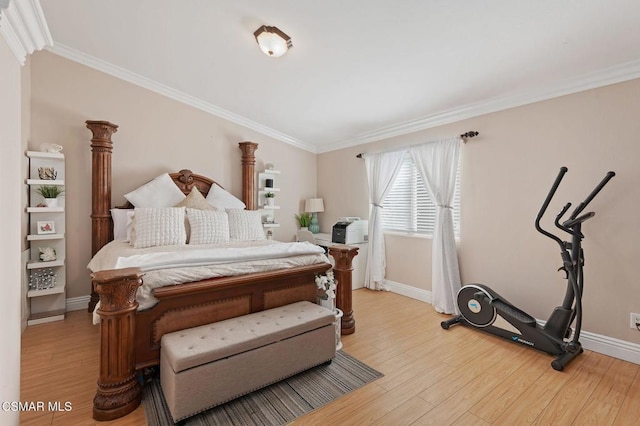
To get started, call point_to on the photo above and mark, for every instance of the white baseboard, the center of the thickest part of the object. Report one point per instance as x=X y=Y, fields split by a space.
x=605 y=345
x=409 y=291
x=78 y=303
x=616 y=348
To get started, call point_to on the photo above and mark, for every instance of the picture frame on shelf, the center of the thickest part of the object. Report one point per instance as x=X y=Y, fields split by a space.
x=46 y=227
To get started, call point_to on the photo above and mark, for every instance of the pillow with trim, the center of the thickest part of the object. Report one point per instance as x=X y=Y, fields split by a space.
x=208 y=226
x=245 y=225
x=158 y=226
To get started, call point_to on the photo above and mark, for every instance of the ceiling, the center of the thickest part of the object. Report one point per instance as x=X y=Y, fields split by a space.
x=358 y=71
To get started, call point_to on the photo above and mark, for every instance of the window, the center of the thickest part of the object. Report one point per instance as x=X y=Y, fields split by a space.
x=408 y=206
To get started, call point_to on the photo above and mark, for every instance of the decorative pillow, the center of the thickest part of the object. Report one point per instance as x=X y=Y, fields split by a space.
x=221 y=199
x=160 y=192
x=245 y=225
x=122 y=220
x=208 y=226
x=158 y=227
x=195 y=200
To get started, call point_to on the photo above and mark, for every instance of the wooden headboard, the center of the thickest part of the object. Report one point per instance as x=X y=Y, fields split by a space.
x=101 y=149
x=185 y=180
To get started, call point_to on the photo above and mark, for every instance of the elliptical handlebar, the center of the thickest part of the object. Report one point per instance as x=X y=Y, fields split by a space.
x=573 y=218
x=559 y=216
x=573 y=222
x=543 y=209
x=591 y=196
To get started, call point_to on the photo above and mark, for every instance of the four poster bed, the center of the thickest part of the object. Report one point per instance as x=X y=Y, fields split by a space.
x=130 y=338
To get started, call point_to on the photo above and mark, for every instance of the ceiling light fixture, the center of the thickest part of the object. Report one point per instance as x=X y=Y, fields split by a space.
x=272 y=41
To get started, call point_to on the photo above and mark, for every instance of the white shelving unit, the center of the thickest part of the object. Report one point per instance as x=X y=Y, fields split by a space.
x=268 y=211
x=46 y=230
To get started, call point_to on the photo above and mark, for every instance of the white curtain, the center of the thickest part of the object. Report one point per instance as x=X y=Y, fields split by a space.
x=437 y=163
x=382 y=170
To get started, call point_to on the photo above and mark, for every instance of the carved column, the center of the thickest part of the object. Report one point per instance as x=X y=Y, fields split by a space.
x=248 y=174
x=342 y=271
x=101 y=147
x=118 y=393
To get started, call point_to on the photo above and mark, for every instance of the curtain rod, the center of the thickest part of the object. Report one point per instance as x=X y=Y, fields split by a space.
x=464 y=137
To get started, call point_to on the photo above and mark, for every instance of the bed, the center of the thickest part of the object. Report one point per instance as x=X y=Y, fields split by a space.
x=130 y=338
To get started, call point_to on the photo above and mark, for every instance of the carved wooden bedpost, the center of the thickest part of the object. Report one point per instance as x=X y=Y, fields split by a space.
x=119 y=393
x=248 y=174
x=343 y=255
x=101 y=147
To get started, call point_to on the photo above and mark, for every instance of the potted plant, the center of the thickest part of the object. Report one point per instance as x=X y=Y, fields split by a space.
x=50 y=193
x=304 y=220
x=269 y=196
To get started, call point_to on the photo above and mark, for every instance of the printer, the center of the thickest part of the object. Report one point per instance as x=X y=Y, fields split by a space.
x=350 y=230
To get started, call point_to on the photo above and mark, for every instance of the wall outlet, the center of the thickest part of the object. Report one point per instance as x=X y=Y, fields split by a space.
x=635 y=320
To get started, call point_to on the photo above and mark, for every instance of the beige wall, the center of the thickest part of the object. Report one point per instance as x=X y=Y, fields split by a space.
x=506 y=173
x=156 y=135
x=11 y=175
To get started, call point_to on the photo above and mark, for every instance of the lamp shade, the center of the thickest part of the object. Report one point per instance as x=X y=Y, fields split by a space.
x=272 y=41
x=314 y=205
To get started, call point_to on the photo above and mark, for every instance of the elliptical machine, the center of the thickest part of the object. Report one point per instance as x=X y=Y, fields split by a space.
x=482 y=308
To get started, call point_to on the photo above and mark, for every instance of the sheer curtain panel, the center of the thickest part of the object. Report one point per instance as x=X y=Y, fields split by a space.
x=381 y=172
x=437 y=163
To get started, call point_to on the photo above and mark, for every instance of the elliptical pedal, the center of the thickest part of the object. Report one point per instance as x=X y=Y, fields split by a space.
x=514 y=312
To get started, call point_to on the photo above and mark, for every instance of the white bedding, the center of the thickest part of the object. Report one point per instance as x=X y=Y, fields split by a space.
x=170 y=265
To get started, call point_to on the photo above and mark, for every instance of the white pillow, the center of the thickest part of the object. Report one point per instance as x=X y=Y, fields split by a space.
x=158 y=227
x=122 y=221
x=245 y=225
x=221 y=199
x=160 y=192
x=208 y=226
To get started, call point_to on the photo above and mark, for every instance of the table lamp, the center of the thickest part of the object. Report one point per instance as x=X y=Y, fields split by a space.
x=313 y=206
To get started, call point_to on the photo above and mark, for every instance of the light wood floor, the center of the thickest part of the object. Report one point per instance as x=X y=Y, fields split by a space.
x=432 y=376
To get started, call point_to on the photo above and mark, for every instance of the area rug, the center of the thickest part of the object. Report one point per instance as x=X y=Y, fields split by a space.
x=277 y=404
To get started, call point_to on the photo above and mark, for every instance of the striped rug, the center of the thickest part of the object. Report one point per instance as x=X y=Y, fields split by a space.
x=277 y=404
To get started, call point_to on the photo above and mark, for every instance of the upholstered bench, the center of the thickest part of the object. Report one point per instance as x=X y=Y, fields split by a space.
x=205 y=366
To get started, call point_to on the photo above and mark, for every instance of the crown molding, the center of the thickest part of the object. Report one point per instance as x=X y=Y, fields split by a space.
x=604 y=77
x=23 y=27
x=611 y=75
x=162 y=89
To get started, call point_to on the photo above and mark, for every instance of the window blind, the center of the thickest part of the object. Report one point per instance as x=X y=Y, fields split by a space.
x=408 y=206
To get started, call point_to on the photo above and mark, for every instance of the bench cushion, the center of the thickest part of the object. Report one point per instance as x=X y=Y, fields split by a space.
x=200 y=345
